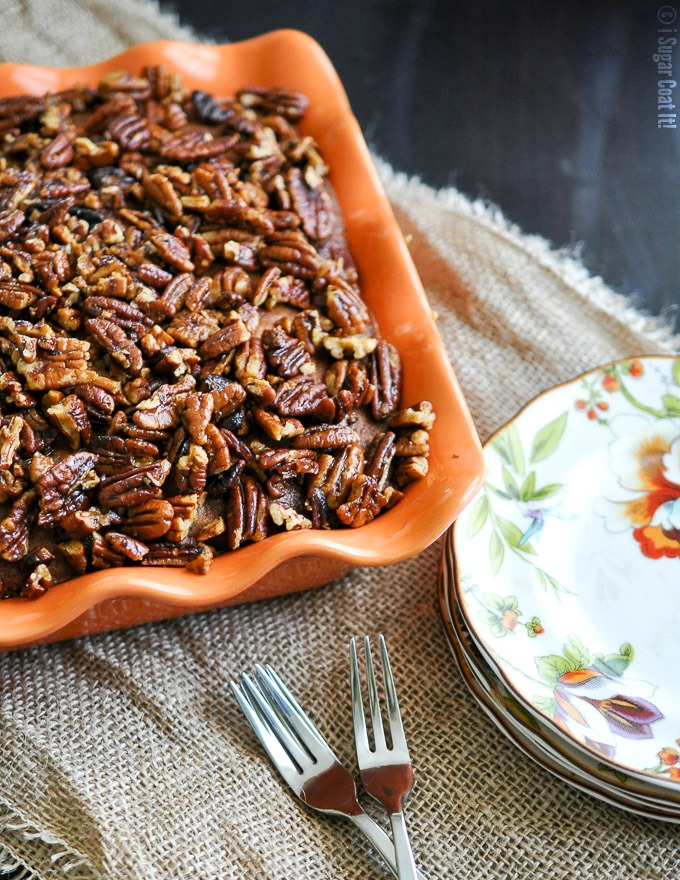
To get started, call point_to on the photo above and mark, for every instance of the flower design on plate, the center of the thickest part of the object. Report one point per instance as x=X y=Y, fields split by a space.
x=592 y=702
x=646 y=463
x=669 y=763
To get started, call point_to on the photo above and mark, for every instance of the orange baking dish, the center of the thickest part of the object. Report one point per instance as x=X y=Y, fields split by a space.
x=295 y=560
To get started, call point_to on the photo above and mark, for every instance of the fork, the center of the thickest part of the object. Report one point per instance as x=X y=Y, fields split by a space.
x=303 y=757
x=386 y=773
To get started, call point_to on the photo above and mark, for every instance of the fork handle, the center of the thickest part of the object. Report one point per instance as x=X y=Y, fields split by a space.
x=406 y=867
x=381 y=843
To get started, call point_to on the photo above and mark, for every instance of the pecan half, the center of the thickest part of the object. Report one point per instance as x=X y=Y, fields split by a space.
x=135 y=486
x=64 y=487
x=15 y=527
x=150 y=520
x=364 y=503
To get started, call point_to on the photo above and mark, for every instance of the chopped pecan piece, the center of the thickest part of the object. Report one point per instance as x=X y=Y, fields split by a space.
x=415 y=467
x=75 y=554
x=37 y=583
x=420 y=416
x=10 y=440
x=69 y=416
x=286 y=516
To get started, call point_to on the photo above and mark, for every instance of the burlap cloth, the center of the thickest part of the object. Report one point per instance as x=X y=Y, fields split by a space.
x=125 y=756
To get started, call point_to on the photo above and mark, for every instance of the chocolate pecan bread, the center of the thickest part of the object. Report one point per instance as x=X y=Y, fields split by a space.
x=186 y=362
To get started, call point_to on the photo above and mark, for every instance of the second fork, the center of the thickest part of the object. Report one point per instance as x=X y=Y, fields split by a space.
x=386 y=772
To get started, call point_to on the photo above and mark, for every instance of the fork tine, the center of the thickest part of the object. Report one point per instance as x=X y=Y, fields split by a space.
x=360 y=733
x=376 y=717
x=396 y=725
x=294 y=714
x=277 y=754
x=279 y=728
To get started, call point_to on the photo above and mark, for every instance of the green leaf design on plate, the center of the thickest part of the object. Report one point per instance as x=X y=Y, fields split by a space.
x=479 y=514
x=614 y=664
x=675 y=371
x=546 y=704
x=515 y=451
x=496 y=552
x=547 y=491
x=551 y=667
x=671 y=403
x=528 y=489
x=513 y=534
x=548 y=438
x=576 y=653
x=510 y=484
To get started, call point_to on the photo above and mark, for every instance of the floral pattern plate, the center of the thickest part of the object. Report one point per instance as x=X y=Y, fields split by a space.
x=521 y=728
x=593 y=775
x=568 y=563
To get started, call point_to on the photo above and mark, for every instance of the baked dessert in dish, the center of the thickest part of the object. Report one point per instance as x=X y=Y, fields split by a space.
x=187 y=362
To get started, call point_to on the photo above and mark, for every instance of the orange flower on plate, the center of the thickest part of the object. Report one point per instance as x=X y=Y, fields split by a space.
x=648 y=467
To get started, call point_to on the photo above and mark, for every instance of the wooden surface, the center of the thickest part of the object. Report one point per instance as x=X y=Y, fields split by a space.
x=548 y=110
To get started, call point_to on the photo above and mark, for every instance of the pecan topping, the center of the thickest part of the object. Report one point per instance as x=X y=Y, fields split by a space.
x=185 y=355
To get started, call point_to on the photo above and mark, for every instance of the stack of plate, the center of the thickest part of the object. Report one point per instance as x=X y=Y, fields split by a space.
x=559 y=584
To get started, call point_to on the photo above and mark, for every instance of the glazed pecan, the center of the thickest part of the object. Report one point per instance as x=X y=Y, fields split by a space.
x=300 y=396
x=64 y=486
x=326 y=437
x=247 y=512
x=18 y=295
x=313 y=204
x=16 y=526
x=281 y=101
x=173 y=555
x=336 y=474
x=116 y=342
x=285 y=354
x=118 y=454
x=70 y=418
x=150 y=520
x=135 y=486
x=224 y=340
x=386 y=380
x=364 y=503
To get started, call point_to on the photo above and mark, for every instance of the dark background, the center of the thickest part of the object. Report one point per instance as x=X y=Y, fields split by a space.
x=547 y=109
